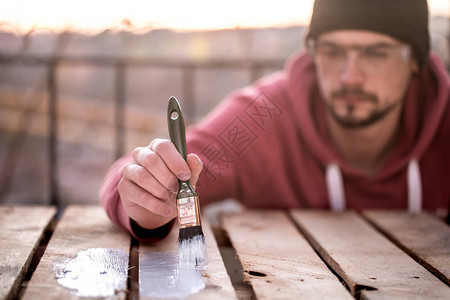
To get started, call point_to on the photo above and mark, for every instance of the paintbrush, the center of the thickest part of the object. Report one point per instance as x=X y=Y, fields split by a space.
x=191 y=241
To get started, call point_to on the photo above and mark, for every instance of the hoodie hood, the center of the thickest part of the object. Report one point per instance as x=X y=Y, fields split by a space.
x=425 y=101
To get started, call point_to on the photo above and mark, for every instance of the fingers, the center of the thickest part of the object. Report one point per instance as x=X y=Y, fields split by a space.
x=141 y=177
x=173 y=160
x=155 y=167
x=132 y=194
x=149 y=184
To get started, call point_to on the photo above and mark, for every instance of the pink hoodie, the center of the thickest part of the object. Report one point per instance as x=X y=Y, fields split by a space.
x=267 y=146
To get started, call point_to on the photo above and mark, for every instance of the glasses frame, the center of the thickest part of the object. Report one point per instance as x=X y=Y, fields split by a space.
x=362 y=51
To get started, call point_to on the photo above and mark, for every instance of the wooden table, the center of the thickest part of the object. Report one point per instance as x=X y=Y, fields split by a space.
x=283 y=255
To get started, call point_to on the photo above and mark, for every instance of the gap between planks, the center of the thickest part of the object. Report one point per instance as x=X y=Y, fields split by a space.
x=370 y=264
x=278 y=262
x=23 y=242
x=423 y=236
x=133 y=271
x=217 y=282
x=81 y=227
x=43 y=242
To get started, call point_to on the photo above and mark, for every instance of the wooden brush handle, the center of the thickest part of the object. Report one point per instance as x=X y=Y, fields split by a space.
x=175 y=122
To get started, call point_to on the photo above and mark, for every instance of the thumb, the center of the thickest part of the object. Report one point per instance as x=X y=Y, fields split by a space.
x=196 y=165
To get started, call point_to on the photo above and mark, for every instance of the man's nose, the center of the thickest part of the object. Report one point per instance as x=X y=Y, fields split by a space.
x=351 y=71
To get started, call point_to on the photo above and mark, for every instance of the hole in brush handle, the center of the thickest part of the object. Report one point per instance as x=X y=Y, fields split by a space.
x=174 y=115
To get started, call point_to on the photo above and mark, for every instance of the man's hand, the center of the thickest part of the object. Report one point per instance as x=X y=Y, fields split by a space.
x=149 y=184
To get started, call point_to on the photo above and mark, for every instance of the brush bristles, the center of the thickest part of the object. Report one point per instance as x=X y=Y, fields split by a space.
x=192 y=247
x=189 y=232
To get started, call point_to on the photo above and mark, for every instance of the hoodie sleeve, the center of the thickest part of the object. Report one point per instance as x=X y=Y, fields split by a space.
x=110 y=200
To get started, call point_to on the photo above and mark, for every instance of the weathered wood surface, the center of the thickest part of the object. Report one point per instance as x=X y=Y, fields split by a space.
x=277 y=261
x=21 y=229
x=367 y=261
x=217 y=282
x=80 y=228
x=423 y=236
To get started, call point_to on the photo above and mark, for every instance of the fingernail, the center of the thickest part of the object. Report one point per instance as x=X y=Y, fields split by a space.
x=184 y=175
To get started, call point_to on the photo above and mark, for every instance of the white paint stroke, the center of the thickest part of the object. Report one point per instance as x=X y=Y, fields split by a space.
x=95 y=272
x=162 y=276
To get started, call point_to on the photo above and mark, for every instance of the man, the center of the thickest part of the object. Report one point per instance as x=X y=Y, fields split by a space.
x=361 y=121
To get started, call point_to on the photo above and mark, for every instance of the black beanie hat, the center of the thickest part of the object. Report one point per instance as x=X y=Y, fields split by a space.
x=405 y=20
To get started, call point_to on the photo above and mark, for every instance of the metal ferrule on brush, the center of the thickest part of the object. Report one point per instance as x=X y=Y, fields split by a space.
x=187 y=206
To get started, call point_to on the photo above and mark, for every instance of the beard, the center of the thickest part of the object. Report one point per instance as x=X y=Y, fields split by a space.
x=349 y=120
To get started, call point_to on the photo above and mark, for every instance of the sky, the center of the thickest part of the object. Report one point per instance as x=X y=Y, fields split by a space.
x=93 y=16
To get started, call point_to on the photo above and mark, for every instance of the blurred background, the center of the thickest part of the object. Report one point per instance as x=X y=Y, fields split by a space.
x=82 y=82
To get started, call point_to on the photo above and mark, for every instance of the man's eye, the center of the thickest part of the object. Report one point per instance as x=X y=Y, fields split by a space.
x=333 y=51
x=375 y=54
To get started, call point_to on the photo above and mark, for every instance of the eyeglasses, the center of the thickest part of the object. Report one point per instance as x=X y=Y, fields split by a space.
x=373 y=59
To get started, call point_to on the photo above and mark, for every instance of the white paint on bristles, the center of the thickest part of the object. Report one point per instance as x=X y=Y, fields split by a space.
x=192 y=252
x=95 y=272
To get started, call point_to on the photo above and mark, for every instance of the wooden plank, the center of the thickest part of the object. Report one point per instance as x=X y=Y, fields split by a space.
x=422 y=235
x=277 y=261
x=217 y=282
x=21 y=229
x=365 y=259
x=81 y=228
x=393 y=295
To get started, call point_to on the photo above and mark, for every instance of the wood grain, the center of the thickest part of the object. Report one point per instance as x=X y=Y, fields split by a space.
x=423 y=236
x=80 y=228
x=368 y=262
x=277 y=261
x=217 y=282
x=22 y=228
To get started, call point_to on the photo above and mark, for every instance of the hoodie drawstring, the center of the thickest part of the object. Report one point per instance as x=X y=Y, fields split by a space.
x=335 y=187
x=414 y=187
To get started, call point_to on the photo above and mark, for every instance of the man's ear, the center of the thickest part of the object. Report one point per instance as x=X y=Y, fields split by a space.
x=414 y=66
